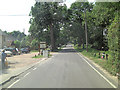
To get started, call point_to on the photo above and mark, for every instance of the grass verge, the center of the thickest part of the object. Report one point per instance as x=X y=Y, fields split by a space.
x=97 y=58
x=34 y=51
x=39 y=56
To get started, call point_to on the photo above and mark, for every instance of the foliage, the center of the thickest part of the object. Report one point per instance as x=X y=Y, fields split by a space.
x=17 y=34
x=46 y=20
x=57 y=25
x=34 y=44
x=39 y=56
x=99 y=20
x=114 y=48
x=78 y=10
x=26 y=41
x=17 y=44
x=103 y=31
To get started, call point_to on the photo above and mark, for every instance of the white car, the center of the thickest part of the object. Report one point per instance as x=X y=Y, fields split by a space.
x=1 y=52
x=9 y=53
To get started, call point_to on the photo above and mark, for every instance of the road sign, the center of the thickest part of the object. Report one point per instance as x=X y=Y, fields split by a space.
x=42 y=45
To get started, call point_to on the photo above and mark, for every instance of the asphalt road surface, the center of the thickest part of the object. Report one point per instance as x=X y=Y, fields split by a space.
x=64 y=70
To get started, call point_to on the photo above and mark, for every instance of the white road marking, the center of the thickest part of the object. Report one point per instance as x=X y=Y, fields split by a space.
x=14 y=83
x=98 y=72
x=27 y=74
x=34 y=68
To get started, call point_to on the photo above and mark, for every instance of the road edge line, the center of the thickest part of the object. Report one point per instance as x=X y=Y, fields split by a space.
x=97 y=71
x=13 y=83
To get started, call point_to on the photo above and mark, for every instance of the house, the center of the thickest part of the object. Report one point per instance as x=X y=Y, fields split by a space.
x=5 y=40
x=2 y=39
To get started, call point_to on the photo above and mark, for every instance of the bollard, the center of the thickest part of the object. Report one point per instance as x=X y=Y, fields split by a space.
x=45 y=53
x=106 y=56
x=99 y=55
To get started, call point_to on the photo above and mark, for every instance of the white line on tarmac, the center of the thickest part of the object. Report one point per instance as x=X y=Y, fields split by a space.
x=34 y=68
x=27 y=74
x=14 y=83
x=98 y=72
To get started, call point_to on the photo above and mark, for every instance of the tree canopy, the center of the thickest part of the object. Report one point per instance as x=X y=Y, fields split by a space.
x=58 y=25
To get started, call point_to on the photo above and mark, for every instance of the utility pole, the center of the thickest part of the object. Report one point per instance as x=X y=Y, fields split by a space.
x=86 y=32
x=24 y=30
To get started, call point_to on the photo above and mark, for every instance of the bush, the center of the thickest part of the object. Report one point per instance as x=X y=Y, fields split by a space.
x=114 y=45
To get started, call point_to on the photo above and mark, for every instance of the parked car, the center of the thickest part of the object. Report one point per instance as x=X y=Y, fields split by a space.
x=9 y=53
x=1 y=52
x=18 y=51
x=28 y=48
x=13 y=50
x=24 y=50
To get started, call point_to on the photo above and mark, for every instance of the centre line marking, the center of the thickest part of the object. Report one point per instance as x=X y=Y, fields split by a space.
x=98 y=72
x=34 y=68
x=27 y=74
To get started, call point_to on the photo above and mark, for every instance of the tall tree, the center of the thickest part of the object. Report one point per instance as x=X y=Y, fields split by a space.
x=98 y=20
x=77 y=20
x=46 y=19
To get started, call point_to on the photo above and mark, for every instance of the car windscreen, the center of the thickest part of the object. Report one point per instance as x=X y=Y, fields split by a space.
x=8 y=49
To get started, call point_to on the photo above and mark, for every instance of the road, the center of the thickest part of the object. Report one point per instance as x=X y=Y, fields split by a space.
x=64 y=70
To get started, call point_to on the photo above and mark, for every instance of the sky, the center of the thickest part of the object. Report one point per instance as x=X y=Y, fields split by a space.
x=14 y=14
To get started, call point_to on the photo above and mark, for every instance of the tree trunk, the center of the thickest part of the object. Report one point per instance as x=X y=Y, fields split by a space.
x=39 y=49
x=52 y=38
x=86 y=32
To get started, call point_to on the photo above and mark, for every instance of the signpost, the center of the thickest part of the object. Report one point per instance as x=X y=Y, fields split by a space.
x=42 y=46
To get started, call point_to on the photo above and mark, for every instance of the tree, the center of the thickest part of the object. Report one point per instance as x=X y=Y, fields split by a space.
x=46 y=20
x=26 y=41
x=114 y=44
x=17 y=34
x=98 y=20
x=34 y=44
x=17 y=44
x=77 y=20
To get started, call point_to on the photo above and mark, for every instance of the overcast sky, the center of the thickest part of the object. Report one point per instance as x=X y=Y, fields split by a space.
x=14 y=14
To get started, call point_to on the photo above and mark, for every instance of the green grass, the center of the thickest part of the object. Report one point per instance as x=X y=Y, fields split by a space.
x=39 y=56
x=49 y=55
x=102 y=62
x=34 y=51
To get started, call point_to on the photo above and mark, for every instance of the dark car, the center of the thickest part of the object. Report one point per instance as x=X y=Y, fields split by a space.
x=15 y=51
x=18 y=51
x=28 y=48
x=24 y=50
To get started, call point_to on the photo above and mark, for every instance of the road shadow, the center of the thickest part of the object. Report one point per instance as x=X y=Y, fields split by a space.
x=67 y=51
x=12 y=63
x=6 y=70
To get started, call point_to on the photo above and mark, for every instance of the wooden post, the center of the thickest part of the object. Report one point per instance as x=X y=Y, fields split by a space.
x=86 y=32
x=39 y=49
